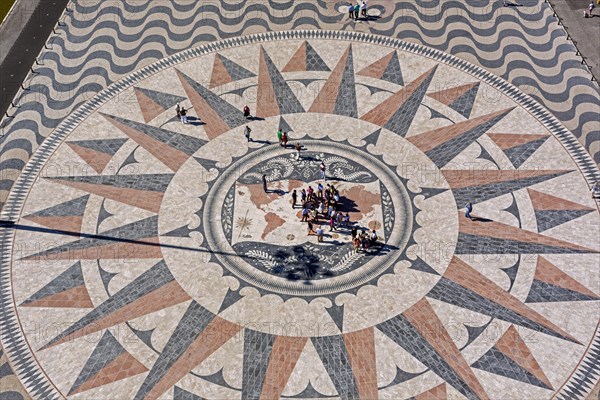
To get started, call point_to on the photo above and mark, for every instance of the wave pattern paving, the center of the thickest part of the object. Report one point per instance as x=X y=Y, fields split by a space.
x=103 y=41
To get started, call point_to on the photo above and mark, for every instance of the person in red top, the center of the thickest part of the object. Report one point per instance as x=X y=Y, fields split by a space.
x=284 y=139
x=246 y=112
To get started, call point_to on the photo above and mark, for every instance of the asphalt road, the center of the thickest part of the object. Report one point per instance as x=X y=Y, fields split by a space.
x=35 y=20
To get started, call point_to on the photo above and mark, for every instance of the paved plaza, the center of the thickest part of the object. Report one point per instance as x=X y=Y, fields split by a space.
x=154 y=259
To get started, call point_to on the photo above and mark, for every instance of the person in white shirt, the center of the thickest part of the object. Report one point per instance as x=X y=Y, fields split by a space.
x=319 y=234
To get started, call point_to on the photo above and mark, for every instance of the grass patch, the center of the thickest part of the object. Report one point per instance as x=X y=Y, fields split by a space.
x=5 y=6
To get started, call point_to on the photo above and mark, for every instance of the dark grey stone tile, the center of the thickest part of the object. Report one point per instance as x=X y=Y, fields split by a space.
x=257 y=350
x=452 y=293
x=192 y=324
x=69 y=279
x=497 y=363
x=107 y=350
x=334 y=355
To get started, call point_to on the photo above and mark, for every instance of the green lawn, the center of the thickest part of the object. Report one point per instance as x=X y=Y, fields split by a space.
x=5 y=5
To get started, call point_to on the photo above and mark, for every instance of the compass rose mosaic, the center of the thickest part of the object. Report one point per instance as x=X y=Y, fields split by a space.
x=169 y=272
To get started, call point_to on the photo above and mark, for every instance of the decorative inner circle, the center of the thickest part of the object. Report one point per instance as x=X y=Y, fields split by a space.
x=262 y=239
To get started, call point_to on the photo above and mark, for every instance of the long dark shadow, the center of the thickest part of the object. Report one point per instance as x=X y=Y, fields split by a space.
x=113 y=239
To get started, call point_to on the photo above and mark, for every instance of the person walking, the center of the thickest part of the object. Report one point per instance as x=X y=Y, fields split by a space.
x=356 y=11
x=320 y=234
x=303 y=196
x=264 y=182
x=373 y=237
x=279 y=136
x=310 y=193
x=294 y=198
x=596 y=189
x=331 y=224
x=178 y=110
x=309 y=228
x=298 y=149
x=183 y=115
x=363 y=9
x=469 y=209
x=246 y=112
x=320 y=191
x=247 y=131
x=321 y=208
x=284 y=139
x=304 y=214
x=322 y=169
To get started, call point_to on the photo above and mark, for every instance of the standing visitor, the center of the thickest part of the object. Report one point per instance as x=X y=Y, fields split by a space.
x=469 y=208
x=183 y=115
x=320 y=234
x=284 y=139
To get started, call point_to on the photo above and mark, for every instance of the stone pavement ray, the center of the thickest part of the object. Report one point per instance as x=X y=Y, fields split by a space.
x=142 y=191
x=67 y=290
x=305 y=59
x=510 y=357
x=460 y=98
x=386 y=68
x=436 y=393
x=219 y=115
x=172 y=149
x=181 y=394
x=109 y=362
x=551 y=211
x=97 y=153
x=284 y=356
x=332 y=351
x=463 y=286
x=276 y=96
x=476 y=186
x=443 y=144
x=420 y=332
x=360 y=346
x=257 y=350
x=550 y=284
x=518 y=147
x=154 y=290
x=153 y=103
x=198 y=334
x=338 y=94
x=490 y=237
x=66 y=216
x=397 y=112
x=226 y=71
x=138 y=239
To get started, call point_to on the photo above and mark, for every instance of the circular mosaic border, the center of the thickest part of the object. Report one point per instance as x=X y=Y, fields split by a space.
x=363 y=274
x=14 y=343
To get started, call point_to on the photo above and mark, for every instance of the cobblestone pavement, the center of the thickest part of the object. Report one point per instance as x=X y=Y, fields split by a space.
x=169 y=272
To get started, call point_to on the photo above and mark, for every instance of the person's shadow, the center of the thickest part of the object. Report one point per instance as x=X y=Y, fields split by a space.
x=195 y=121
x=480 y=219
